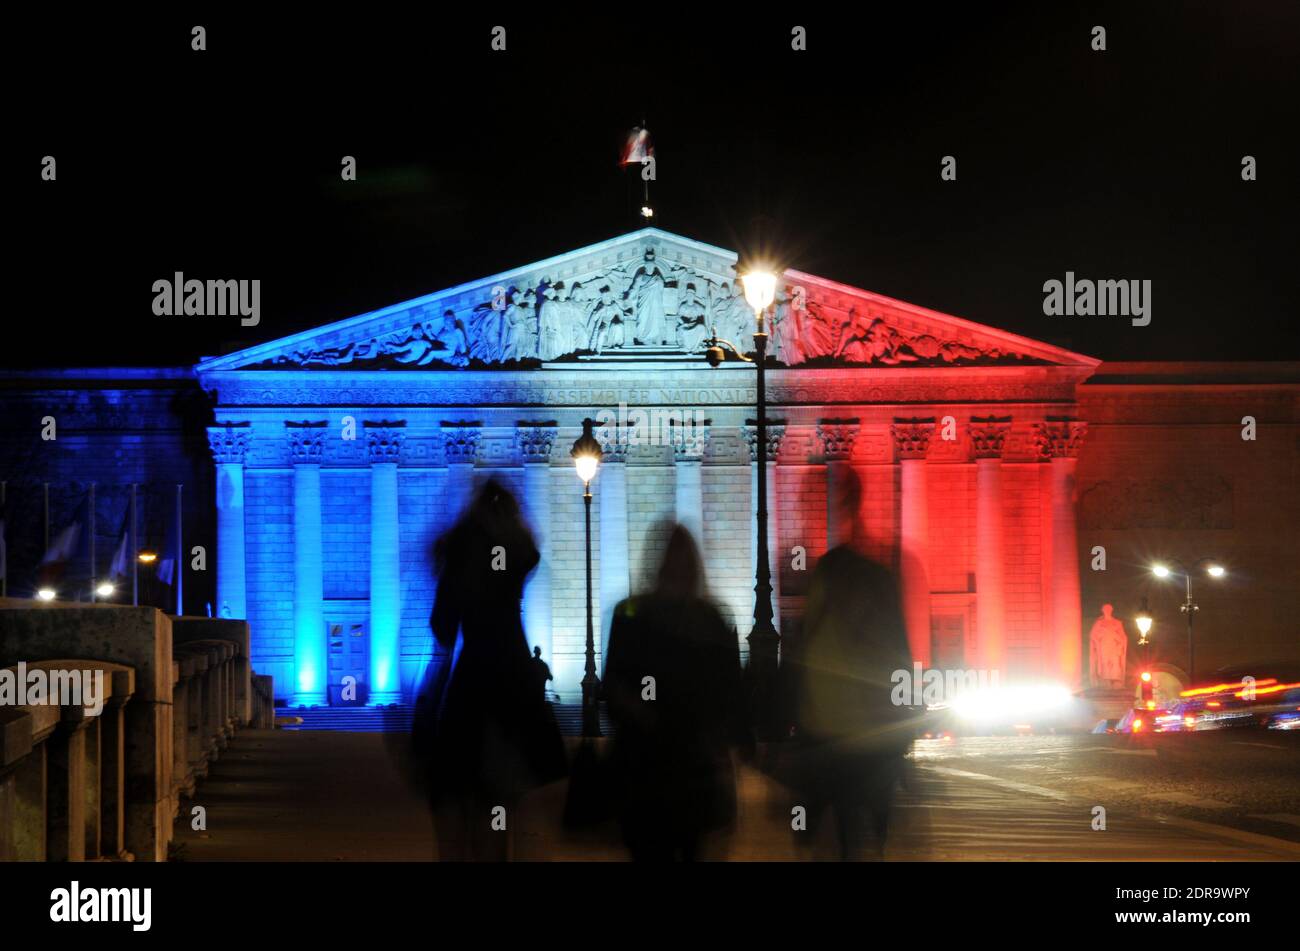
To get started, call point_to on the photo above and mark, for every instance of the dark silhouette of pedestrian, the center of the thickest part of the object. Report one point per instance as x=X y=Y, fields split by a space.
x=490 y=737
x=849 y=739
x=673 y=689
x=541 y=673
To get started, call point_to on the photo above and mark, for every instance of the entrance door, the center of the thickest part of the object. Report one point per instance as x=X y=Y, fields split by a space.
x=349 y=656
x=948 y=641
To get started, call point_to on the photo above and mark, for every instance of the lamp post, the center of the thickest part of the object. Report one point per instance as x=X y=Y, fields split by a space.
x=760 y=292
x=1144 y=621
x=1189 y=606
x=586 y=459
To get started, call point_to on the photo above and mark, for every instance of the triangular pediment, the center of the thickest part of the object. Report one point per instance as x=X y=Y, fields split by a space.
x=645 y=296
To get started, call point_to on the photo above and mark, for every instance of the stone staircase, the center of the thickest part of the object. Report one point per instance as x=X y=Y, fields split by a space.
x=397 y=719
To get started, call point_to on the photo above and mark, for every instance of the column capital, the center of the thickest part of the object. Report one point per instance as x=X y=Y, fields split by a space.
x=689 y=442
x=912 y=437
x=775 y=434
x=460 y=441
x=988 y=435
x=837 y=437
x=614 y=438
x=229 y=442
x=384 y=440
x=1059 y=438
x=306 y=441
x=535 y=440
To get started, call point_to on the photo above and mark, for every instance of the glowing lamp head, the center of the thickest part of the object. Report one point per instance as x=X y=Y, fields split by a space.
x=647 y=211
x=1146 y=676
x=1160 y=571
x=1216 y=571
x=104 y=589
x=46 y=594
x=147 y=557
x=586 y=453
x=760 y=288
x=1144 y=622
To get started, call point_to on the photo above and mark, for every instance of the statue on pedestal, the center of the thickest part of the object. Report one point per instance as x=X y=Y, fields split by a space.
x=1108 y=649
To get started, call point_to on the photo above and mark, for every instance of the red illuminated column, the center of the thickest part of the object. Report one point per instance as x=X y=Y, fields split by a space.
x=837 y=437
x=1058 y=442
x=911 y=442
x=987 y=438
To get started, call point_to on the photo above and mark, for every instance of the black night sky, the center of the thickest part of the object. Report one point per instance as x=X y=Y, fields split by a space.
x=1123 y=164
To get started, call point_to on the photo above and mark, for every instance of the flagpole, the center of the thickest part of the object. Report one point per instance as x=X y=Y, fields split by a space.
x=180 y=565
x=46 y=487
x=135 y=555
x=93 y=593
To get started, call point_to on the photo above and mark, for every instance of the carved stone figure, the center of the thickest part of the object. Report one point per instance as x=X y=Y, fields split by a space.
x=1108 y=649
x=732 y=317
x=519 y=343
x=787 y=332
x=692 y=326
x=453 y=345
x=608 y=321
x=647 y=293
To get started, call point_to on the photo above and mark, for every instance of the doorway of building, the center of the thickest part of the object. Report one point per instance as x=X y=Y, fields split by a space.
x=948 y=641
x=349 y=662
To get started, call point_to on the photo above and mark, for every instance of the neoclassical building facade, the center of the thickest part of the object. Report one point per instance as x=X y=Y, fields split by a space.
x=342 y=452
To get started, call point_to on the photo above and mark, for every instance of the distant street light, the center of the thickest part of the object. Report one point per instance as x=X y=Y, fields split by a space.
x=586 y=460
x=1189 y=606
x=46 y=594
x=104 y=589
x=147 y=557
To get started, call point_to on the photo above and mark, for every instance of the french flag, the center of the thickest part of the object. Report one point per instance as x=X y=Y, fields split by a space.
x=638 y=148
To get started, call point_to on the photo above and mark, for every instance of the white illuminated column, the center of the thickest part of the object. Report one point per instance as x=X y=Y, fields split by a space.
x=611 y=483
x=384 y=445
x=310 y=670
x=689 y=442
x=775 y=433
x=229 y=444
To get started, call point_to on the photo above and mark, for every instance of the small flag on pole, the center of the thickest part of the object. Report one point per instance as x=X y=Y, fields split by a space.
x=170 y=551
x=638 y=148
x=66 y=546
x=121 y=554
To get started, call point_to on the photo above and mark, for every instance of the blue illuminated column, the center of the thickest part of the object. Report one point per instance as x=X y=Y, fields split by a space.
x=689 y=442
x=535 y=442
x=460 y=446
x=775 y=433
x=306 y=441
x=611 y=483
x=229 y=444
x=384 y=442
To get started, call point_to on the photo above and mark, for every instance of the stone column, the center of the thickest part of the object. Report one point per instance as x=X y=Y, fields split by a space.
x=689 y=441
x=384 y=444
x=987 y=439
x=460 y=442
x=837 y=437
x=911 y=443
x=306 y=443
x=1058 y=443
x=66 y=762
x=615 y=558
x=535 y=441
x=775 y=433
x=112 y=765
x=17 y=755
x=229 y=444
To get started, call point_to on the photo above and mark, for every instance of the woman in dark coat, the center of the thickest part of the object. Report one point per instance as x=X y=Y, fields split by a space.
x=489 y=737
x=671 y=765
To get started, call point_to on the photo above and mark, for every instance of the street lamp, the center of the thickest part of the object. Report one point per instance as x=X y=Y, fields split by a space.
x=760 y=291
x=1189 y=606
x=104 y=589
x=586 y=459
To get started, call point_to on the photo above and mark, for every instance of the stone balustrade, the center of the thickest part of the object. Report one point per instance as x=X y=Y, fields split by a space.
x=102 y=776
